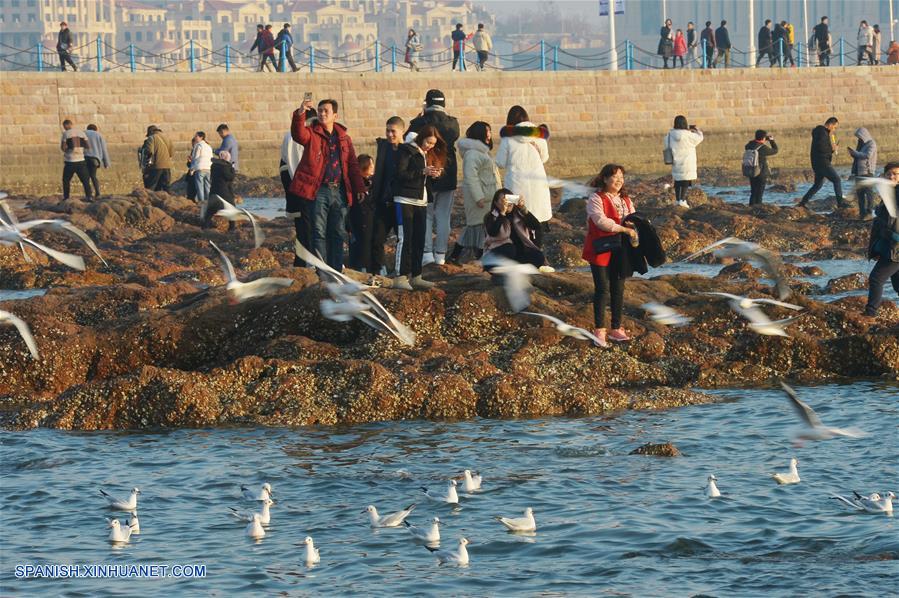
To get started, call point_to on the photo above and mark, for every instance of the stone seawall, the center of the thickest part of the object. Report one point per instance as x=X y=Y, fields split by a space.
x=594 y=117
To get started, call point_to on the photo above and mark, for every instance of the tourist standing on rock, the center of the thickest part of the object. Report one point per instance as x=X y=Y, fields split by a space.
x=328 y=176
x=682 y=141
x=680 y=48
x=766 y=44
x=604 y=249
x=64 y=47
x=884 y=247
x=458 y=37
x=480 y=180
x=360 y=218
x=708 y=37
x=229 y=144
x=96 y=155
x=221 y=184
x=73 y=143
x=482 y=45
x=200 y=165
x=421 y=162
x=864 y=164
x=722 y=43
x=522 y=152
x=822 y=41
x=762 y=146
x=291 y=154
x=284 y=44
x=444 y=187
x=160 y=156
x=824 y=145
x=666 y=43
x=413 y=50
x=511 y=231
x=384 y=213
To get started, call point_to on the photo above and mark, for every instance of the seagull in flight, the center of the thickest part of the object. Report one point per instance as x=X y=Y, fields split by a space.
x=885 y=188
x=665 y=315
x=753 y=252
x=243 y=291
x=516 y=279
x=59 y=225
x=24 y=331
x=567 y=329
x=748 y=302
x=759 y=322
x=233 y=213
x=814 y=428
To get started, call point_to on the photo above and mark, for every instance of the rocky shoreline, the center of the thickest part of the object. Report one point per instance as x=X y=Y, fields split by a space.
x=152 y=341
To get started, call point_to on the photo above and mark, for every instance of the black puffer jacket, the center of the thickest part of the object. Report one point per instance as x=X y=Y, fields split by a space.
x=884 y=242
x=221 y=179
x=448 y=127
x=410 y=180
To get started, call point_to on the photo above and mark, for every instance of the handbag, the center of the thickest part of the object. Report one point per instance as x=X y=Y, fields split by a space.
x=667 y=153
x=607 y=243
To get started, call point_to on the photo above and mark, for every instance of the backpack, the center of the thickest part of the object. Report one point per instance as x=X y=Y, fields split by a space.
x=751 y=166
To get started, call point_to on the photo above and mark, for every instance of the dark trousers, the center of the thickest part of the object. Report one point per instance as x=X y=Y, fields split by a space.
x=823 y=56
x=302 y=224
x=757 y=189
x=788 y=55
x=384 y=219
x=329 y=224
x=863 y=52
x=824 y=172
x=263 y=58
x=772 y=60
x=709 y=52
x=93 y=165
x=680 y=190
x=482 y=60
x=191 y=183
x=412 y=219
x=79 y=169
x=456 y=55
x=361 y=221
x=604 y=285
x=865 y=198
x=65 y=57
x=157 y=179
x=289 y=55
x=883 y=270
x=522 y=255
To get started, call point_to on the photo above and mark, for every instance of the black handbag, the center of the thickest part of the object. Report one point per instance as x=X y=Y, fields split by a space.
x=608 y=243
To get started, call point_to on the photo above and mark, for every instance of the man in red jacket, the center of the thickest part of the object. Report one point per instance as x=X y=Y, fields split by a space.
x=328 y=178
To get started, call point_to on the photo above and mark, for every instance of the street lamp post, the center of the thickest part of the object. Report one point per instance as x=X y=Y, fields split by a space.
x=613 y=51
x=752 y=33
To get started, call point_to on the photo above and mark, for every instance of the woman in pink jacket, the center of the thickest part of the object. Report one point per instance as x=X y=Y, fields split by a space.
x=680 y=47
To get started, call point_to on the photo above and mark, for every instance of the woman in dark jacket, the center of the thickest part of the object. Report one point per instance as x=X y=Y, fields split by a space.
x=421 y=160
x=221 y=183
x=666 y=43
x=512 y=230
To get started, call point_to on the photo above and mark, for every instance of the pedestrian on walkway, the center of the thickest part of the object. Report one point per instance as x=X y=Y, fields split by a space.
x=875 y=43
x=64 y=47
x=865 y=43
x=765 y=44
x=680 y=48
x=707 y=39
x=789 y=41
x=482 y=45
x=723 y=45
x=666 y=43
x=96 y=155
x=824 y=146
x=762 y=146
x=73 y=143
x=413 y=50
x=692 y=43
x=459 y=38
x=284 y=45
x=821 y=33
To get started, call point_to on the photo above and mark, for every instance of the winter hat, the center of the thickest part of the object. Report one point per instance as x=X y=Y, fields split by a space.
x=435 y=97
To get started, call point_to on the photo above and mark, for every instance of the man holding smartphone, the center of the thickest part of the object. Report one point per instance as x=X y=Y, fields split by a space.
x=328 y=178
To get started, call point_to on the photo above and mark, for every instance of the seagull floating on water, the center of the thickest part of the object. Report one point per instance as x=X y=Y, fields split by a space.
x=429 y=535
x=254 y=528
x=127 y=506
x=471 y=482
x=233 y=213
x=312 y=554
x=391 y=520
x=242 y=291
x=24 y=331
x=791 y=477
x=815 y=429
x=712 y=489
x=119 y=534
x=520 y=524
x=738 y=248
x=134 y=523
x=516 y=279
x=567 y=329
x=265 y=515
x=453 y=557
x=874 y=503
x=665 y=315
x=451 y=496
x=264 y=493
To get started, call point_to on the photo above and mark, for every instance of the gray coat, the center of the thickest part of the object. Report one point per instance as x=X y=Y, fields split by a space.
x=864 y=157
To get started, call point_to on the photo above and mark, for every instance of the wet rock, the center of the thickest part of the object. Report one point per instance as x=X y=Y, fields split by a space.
x=812 y=271
x=789 y=187
x=740 y=270
x=849 y=282
x=657 y=450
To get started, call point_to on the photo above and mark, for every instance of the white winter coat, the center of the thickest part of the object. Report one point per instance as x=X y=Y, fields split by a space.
x=683 y=144
x=522 y=158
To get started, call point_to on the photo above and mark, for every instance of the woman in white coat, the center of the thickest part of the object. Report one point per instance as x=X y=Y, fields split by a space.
x=479 y=185
x=682 y=140
x=522 y=153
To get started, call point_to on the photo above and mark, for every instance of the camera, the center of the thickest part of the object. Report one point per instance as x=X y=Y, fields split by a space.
x=511 y=199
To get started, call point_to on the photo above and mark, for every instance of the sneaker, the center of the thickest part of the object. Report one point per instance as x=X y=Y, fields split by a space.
x=439 y=259
x=619 y=335
x=421 y=284
x=374 y=282
x=546 y=269
x=600 y=333
x=428 y=258
x=683 y=203
x=402 y=283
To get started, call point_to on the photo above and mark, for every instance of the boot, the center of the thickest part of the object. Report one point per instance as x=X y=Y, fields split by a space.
x=421 y=284
x=455 y=254
x=402 y=283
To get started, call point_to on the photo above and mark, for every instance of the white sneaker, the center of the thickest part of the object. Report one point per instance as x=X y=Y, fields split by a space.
x=546 y=269
x=439 y=258
x=683 y=203
x=428 y=258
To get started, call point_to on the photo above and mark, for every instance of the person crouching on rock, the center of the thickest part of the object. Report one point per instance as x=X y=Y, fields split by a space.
x=884 y=247
x=221 y=183
x=604 y=250
x=511 y=231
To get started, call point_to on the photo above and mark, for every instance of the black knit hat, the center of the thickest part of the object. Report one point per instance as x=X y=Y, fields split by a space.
x=435 y=97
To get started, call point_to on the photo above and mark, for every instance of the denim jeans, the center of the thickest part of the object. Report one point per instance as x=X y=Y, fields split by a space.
x=824 y=172
x=883 y=271
x=439 y=213
x=201 y=180
x=329 y=224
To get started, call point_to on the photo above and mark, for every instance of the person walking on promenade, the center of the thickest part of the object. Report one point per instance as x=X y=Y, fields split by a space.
x=221 y=184
x=421 y=161
x=884 y=247
x=381 y=195
x=692 y=42
x=604 y=250
x=328 y=175
x=64 y=47
x=893 y=53
x=73 y=143
x=160 y=155
x=200 y=165
x=765 y=44
x=779 y=43
x=96 y=155
x=459 y=37
x=680 y=48
x=523 y=150
x=666 y=43
x=229 y=144
x=480 y=180
x=284 y=45
x=268 y=49
x=707 y=39
x=865 y=43
x=440 y=208
x=824 y=145
x=875 y=43
x=482 y=45
x=789 y=40
x=864 y=164
x=822 y=41
x=722 y=43
x=682 y=141
x=413 y=50
x=259 y=44
x=755 y=164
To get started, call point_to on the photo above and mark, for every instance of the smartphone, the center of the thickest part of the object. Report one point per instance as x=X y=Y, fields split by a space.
x=512 y=199
x=307 y=97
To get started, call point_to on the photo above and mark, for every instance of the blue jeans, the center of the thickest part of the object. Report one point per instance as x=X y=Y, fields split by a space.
x=329 y=224
x=201 y=180
x=883 y=271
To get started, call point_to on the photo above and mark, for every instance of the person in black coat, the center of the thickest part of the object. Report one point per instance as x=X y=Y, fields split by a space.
x=666 y=43
x=757 y=183
x=511 y=231
x=766 y=44
x=383 y=213
x=884 y=247
x=221 y=183
x=64 y=47
x=722 y=44
x=822 y=150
